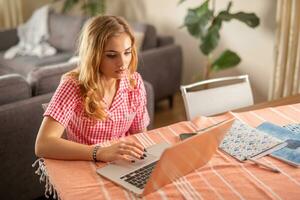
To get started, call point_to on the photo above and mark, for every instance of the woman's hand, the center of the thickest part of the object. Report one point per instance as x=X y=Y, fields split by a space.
x=122 y=150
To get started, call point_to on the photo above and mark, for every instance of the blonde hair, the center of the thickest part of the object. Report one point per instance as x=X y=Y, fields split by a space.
x=93 y=38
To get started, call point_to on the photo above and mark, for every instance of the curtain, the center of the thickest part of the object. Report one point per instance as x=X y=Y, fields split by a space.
x=10 y=13
x=286 y=74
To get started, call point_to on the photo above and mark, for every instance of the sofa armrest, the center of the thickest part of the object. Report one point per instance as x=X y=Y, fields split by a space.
x=150 y=103
x=20 y=122
x=162 y=68
x=46 y=79
x=8 y=39
x=164 y=40
x=13 y=87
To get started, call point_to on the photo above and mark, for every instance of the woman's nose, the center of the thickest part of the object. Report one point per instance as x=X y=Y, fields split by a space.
x=121 y=61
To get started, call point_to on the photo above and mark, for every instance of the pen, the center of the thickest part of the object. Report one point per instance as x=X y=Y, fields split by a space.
x=264 y=165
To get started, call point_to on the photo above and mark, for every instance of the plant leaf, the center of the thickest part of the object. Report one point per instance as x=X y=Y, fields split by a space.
x=211 y=39
x=180 y=2
x=93 y=8
x=226 y=60
x=249 y=19
x=90 y=7
x=197 y=20
x=68 y=5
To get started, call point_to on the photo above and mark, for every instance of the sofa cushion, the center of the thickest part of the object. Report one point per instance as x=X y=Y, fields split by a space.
x=5 y=70
x=46 y=79
x=13 y=87
x=64 y=31
x=24 y=64
x=150 y=36
x=9 y=38
x=150 y=40
x=150 y=103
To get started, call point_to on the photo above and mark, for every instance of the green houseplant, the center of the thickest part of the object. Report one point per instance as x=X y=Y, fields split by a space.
x=204 y=24
x=89 y=7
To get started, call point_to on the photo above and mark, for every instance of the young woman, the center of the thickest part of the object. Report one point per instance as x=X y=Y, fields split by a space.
x=102 y=99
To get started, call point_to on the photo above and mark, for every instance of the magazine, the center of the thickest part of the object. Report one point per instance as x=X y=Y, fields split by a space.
x=295 y=128
x=243 y=141
x=289 y=133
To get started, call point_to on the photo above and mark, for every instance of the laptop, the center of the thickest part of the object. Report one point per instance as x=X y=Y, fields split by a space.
x=165 y=162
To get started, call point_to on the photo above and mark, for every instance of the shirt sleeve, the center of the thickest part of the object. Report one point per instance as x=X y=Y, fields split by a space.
x=141 y=119
x=64 y=101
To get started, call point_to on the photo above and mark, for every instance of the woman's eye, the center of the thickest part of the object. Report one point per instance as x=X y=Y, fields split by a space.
x=127 y=52
x=111 y=55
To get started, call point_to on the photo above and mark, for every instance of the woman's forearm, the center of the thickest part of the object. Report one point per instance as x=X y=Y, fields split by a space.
x=50 y=144
x=59 y=148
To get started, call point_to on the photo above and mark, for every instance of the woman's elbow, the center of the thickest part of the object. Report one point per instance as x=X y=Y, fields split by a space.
x=40 y=146
x=38 y=149
x=49 y=129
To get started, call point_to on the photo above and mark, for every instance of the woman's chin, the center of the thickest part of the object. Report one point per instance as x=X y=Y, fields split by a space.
x=121 y=74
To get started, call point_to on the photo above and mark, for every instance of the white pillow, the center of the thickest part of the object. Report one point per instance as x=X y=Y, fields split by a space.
x=139 y=38
x=73 y=59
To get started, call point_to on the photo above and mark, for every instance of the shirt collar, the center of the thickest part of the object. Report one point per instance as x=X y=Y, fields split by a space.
x=124 y=85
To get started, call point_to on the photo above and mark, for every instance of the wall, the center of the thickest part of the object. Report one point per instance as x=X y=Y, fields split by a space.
x=30 y=5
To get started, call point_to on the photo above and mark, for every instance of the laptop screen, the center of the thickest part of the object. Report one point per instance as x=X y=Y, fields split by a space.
x=186 y=156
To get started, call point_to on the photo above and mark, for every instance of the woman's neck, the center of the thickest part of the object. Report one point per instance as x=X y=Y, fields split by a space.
x=109 y=83
x=110 y=90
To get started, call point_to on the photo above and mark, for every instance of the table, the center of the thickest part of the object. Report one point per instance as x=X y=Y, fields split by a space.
x=222 y=178
x=278 y=102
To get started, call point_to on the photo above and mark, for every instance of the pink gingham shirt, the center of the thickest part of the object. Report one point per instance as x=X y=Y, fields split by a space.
x=127 y=113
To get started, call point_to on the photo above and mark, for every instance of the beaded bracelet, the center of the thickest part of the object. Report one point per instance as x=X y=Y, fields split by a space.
x=95 y=152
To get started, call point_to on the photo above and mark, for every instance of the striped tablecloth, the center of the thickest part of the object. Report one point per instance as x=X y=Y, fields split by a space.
x=222 y=178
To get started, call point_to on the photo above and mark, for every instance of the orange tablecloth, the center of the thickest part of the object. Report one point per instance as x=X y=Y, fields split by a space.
x=222 y=178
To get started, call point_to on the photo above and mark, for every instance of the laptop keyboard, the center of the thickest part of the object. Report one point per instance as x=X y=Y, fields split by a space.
x=140 y=176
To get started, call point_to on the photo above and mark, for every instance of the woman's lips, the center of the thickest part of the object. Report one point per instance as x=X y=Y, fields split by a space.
x=122 y=71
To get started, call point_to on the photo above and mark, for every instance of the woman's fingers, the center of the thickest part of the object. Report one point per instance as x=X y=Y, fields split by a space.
x=132 y=149
x=135 y=144
x=131 y=153
x=122 y=150
x=125 y=158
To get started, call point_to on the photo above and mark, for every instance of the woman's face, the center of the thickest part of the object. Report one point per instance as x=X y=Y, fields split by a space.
x=116 y=56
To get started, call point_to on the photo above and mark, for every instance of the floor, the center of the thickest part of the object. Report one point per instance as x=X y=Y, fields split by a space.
x=164 y=115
